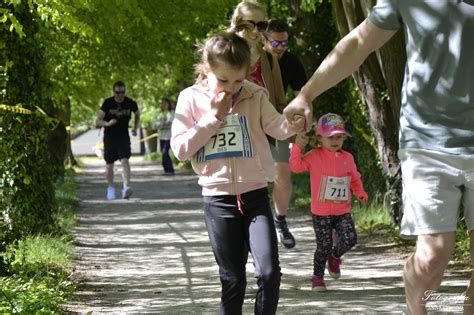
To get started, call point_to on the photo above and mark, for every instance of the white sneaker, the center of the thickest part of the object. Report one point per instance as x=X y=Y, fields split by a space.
x=110 y=193
x=126 y=192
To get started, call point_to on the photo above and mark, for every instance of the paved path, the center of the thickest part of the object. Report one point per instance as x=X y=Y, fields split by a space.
x=151 y=255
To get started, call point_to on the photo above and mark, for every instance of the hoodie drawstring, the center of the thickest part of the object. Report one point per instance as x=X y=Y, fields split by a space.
x=239 y=204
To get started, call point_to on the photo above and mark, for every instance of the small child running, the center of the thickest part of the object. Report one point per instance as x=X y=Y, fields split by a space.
x=334 y=176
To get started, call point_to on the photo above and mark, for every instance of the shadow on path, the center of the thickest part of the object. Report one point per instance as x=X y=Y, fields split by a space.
x=151 y=254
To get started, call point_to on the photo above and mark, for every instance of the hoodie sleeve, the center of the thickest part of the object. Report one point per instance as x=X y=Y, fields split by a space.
x=298 y=163
x=274 y=124
x=356 y=183
x=188 y=134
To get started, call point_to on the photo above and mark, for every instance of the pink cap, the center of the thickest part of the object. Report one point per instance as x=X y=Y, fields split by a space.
x=330 y=124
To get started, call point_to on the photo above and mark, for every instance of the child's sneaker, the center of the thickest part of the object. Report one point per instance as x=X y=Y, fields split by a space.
x=334 y=266
x=126 y=192
x=317 y=283
x=110 y=193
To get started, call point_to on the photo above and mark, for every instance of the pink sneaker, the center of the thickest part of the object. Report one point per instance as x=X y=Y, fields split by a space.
x=317 y=283
x=334 y=266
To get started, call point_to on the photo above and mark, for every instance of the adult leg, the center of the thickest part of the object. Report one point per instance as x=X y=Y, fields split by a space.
x=225 y=227
x=110 y=156
x=282 y=189
x=165 y=156
x=125 y=172
x=468 y=203
x=109 y=171
x=425 y=268
x=264 y=248
x=469 y=302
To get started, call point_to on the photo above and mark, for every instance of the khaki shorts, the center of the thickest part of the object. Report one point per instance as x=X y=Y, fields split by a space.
x=435 y=186
x=280 y=151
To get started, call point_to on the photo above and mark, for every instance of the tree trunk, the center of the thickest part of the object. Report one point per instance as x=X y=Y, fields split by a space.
x=65 y=116
x=379 y=80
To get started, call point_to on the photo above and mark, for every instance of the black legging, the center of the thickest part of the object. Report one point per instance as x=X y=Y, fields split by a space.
x=346 y=233
x=233 y=235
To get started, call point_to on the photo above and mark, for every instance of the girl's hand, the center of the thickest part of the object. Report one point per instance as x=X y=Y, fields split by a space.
x=301 y=140
x=363 y=199
x=220 y=104
x=298 y=124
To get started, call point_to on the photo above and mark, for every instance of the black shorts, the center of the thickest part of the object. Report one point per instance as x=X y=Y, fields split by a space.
x=116 y=148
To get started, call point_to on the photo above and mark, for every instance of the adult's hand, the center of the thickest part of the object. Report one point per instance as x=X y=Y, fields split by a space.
x=299 y=106
x=111 y=122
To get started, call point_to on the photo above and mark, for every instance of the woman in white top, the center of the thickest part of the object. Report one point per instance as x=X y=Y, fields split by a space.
x=164 y=126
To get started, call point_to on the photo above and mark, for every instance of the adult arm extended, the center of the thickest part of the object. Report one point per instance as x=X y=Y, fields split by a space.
x=349 y=53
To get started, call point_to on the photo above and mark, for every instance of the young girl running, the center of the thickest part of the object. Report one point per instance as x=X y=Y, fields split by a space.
x=220 y=125
x=333 y=176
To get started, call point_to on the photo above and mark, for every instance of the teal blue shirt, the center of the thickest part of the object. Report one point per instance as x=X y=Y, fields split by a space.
x=437 y=111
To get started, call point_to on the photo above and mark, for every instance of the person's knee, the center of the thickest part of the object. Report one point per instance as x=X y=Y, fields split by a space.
x=349 y=242
x=234 y=283
x=283 y=175
x=428 y=262
x=270 y=278
x=124 y=161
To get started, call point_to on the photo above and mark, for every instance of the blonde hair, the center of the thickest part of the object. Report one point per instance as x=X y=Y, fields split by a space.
x=237 y=23
x=225 y=48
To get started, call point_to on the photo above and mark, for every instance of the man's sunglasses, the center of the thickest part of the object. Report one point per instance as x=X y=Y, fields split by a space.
x=119 y=92
x=261 y=26
x=275 y=43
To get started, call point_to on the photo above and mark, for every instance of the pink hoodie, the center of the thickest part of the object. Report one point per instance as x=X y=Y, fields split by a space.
x=194 y=126
x=330 y=195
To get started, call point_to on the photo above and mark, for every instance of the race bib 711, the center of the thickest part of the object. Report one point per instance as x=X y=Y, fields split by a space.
x=334 y=189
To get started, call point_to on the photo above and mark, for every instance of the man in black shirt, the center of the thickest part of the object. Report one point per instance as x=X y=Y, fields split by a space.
x=114 y=115
x=293 y=75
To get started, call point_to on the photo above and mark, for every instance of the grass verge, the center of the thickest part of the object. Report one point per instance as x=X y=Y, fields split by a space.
x=37 y=266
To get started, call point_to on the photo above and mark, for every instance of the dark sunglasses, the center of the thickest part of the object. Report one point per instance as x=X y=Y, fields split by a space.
x=275 y=43
x=261 y=26
x=119 y=92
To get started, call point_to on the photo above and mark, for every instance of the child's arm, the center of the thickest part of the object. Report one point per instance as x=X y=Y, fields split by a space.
x=356 y=184
x=187 y=135
x=298 y=163
x=274 y=124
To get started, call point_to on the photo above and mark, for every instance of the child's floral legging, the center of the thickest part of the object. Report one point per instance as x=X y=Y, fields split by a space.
x=323 y=227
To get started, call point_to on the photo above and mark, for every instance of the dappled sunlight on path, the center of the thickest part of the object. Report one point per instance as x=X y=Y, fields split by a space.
x=151 y=254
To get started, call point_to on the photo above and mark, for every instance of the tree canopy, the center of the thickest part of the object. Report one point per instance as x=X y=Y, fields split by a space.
x=90 y=44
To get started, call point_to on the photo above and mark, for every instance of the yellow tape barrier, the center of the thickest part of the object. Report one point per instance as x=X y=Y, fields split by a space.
x=16 y=109
x=149 y=137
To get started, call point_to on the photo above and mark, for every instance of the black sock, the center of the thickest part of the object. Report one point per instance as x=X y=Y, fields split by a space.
x=281 y=217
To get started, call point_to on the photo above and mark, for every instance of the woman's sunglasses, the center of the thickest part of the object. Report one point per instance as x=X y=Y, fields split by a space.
x=261 y=25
